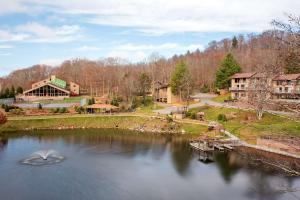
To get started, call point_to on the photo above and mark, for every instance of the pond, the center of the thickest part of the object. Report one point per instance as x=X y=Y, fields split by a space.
x=114 y=164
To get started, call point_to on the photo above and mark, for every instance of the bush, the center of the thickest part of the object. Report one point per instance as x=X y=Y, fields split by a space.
x=3 y=118
x=169 y=119
x=16 y=111
x=79 y=109
x=191 y=114
x=3 y=106
x=40 y=106
x=63 y=110
x=222 y=118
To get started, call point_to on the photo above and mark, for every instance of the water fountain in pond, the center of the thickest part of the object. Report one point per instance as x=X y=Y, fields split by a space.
x=44 y=157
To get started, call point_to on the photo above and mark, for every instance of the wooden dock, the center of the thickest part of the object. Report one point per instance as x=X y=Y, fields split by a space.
x=207 y=144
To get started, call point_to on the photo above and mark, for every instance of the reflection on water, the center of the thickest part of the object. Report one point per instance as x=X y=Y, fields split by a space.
x=110 y=164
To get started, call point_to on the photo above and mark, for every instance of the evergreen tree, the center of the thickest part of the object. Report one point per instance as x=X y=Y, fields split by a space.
x=6 y=93
x=180 y=80
x=144 y=85
x=12 y=92
x=19 y=90
x=228 y=67
x=292 y=63
x=234 y=43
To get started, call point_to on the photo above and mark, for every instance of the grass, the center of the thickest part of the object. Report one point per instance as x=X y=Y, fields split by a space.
x=221 y=98
x=66 y=100
x=245 y=124
x=149 y=108
x=95 y=121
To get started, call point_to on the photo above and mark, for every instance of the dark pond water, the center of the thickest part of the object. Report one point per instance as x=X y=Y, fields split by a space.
x=102 y=164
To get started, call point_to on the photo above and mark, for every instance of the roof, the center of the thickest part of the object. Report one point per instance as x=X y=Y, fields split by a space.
x=243 y=75
x=59 y=83
x=287 y=77
x=102 y=106
x=49 y=84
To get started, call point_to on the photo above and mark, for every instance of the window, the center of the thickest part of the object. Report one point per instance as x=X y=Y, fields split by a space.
x=280 y=89
x=236 y=80
x=286 y=89
x=244 y=80
x=289 y=82
x=242 y=86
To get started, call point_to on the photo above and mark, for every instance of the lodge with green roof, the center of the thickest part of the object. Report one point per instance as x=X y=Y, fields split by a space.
x=51 y=88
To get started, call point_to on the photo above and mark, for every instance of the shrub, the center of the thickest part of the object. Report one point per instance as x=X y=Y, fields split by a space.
x=3 y=118
x=6 y=108
x=3 y=106
x=16 y=111
x=40 y=106
x=79 y=109
x=169 y=119
x=222 y=118
x=193 y=115
x=63 y=110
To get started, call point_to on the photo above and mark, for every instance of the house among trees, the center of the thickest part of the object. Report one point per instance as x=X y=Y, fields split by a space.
x=51 y=88
x=285 y=86
x=163 y=93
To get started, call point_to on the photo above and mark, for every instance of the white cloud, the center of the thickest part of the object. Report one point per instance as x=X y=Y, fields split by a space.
x=36 y=32
x=88 y=48
x=140 y=52
x=157 y=17
x=159 y=47
x=51 y=62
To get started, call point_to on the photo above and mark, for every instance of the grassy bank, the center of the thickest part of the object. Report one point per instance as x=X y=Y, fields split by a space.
x=147 y=123
x=245 y=124
x=221 y=98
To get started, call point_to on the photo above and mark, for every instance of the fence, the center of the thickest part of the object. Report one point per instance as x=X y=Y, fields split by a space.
x=7 y=101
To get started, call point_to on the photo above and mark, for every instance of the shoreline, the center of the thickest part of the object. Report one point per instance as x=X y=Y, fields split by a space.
x=140 y=123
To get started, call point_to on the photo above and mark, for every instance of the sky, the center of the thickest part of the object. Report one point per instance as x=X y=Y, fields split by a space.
x=51 y=31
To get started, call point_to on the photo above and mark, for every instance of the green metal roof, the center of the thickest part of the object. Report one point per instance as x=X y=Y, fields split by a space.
x=59 y=83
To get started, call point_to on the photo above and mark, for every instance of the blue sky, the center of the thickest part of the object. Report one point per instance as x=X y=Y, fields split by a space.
x=50 y=31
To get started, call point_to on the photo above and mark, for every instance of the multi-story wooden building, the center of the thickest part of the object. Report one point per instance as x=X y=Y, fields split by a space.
x=239 y=85
x=162 y=93
x=51 y=88
x=285 y=86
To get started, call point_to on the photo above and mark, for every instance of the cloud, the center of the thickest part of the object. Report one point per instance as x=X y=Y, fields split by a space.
x=140 y=52
x=38 y=33
x=88 y=48
x=159 y=47
x=51 y=61
x=156 y=17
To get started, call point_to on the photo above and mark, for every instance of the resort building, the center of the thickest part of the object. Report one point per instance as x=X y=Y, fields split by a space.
x=51 y=88
x=285 y=86
x=239 y=85
x=163 y=93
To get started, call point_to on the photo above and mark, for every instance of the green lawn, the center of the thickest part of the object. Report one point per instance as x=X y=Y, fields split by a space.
x=95 y=121
x=245 y=124
x=221 y=98
x=66 y=100
x=148 y=109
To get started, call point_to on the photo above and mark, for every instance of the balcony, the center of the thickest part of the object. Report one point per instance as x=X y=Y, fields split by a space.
x=237 y=88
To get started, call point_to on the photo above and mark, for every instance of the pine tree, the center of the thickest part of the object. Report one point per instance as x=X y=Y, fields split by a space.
x=180 y=80
x=144 y=85
x=234 y=43
x=292 y=63
x=19 y=90
x=228 y=67
x=12 y=92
